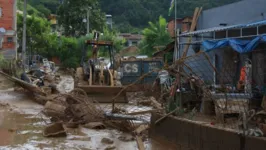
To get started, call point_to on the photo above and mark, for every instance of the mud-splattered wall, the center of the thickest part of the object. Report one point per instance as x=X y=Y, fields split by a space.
x=191 y=136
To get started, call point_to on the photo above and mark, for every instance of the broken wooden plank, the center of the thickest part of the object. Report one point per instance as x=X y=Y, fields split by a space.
x=141 y=128
x=23 y=84
x=140 y=143
x=94 y=125
x=143 y=112
x=159 y=120
x=156 y=104
x=195 y=15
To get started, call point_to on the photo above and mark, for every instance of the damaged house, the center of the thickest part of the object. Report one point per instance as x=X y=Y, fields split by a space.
x=227 y=51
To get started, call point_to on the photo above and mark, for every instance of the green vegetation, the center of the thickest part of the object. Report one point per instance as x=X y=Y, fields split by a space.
x=42 y=41
x=71 y=14
x=49 y=5
x=30 y=10
x=67 y=49
x=108 y=35
x=155 y=35
x=133 y=15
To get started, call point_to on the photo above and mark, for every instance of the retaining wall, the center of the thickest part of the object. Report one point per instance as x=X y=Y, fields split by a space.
x=188 y=135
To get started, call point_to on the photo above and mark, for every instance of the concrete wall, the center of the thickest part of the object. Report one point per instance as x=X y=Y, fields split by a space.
x=244 y=11
x=191 y=136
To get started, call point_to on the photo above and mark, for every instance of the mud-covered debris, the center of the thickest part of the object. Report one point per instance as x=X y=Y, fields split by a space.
x=4 y=105
x=112 y=147
x=107 y=141
x=80 y=138
x=54 y=109
x=144 y=102
x=54 y=130
x=12 y=130
x=126 y=138
x=95 y=125
x=72 y=125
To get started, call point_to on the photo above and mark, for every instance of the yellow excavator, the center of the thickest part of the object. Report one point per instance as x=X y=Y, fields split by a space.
x=98 y=76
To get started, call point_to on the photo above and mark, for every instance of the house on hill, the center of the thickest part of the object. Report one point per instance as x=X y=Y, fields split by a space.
x=8 y=28
x=132 y=39
x=183 y=24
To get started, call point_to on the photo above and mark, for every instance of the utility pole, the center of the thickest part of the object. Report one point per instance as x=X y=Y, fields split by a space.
x=88 y=20
x=175 y=48
x=24 y=34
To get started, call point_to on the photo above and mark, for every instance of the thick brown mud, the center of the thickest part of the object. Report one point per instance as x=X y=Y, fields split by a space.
x=22 y=123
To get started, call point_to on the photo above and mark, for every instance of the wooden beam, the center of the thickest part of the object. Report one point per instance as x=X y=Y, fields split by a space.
x=192 y=27
x=140 y=143
x=143 y=112
x=162 y=118
x=196 y=15
x=141 y=128
x=156 y=104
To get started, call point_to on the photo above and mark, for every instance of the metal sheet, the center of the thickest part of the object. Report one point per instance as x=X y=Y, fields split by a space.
x=149 y=66
x=132 y=70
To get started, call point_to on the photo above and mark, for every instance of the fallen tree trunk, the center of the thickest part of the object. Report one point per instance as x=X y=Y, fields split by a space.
x=30 y=87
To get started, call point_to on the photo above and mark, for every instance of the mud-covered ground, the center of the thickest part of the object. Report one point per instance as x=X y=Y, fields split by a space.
x=22 y=123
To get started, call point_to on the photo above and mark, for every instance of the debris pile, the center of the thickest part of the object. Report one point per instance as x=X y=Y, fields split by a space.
x=73 y=108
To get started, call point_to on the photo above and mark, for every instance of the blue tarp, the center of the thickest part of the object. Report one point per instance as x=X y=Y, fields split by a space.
x=241 y=46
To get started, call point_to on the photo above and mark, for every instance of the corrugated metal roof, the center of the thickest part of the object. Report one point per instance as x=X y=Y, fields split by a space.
x=216 y=29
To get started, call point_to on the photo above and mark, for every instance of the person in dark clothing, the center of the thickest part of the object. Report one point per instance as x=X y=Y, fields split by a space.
x=25 y=78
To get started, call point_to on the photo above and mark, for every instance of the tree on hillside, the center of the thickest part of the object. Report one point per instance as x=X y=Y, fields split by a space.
x=45 y=5
x=130 y=14
x=72 y=13
x=37 y=30
x=155 y=35
x=41 y=41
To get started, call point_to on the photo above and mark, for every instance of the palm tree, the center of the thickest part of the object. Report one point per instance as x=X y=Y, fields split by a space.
x=155 y=35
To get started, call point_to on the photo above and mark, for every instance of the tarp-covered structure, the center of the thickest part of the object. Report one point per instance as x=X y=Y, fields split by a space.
x=239 y=43
x=241 y=46
x=229 y=48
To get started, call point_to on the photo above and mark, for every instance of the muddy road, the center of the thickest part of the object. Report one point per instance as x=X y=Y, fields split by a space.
x=22 y=123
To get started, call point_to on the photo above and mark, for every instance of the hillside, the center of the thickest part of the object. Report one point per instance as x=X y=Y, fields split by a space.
x=137 y=13
x=133 y=15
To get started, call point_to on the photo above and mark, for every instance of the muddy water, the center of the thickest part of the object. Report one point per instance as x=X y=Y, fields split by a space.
x=21 y=126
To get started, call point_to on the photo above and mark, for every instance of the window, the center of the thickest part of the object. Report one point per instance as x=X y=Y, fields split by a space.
x=1 y=12
x=9 y=39
x=1 y=42
x=135 y=43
